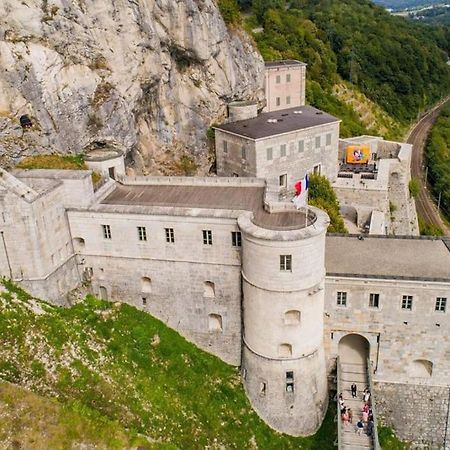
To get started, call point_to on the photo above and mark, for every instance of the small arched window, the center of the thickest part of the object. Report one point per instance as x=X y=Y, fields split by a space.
x=421 y=368
x=209 y=289
x=146 y=284
x=292 y=317
x=285 y=350
x=103 y=293
x=215 y=322
x=78 y=243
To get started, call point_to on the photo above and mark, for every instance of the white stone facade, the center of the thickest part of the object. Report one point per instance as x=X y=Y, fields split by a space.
x=221 y=282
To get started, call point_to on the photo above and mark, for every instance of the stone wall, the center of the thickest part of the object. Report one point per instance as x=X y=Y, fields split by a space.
x=302 y=155
x=418 y=413
x=182 y=283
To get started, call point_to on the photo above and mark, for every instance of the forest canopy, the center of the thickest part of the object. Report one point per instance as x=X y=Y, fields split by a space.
x=399 y=65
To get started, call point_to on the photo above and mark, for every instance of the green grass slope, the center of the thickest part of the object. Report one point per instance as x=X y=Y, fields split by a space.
x=112 y=362
x=31 y=421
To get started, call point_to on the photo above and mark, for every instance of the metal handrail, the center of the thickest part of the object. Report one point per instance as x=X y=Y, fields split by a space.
x=338 y=406
x=376 y=442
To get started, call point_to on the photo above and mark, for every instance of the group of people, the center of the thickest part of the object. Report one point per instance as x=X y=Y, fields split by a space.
x=366 y=418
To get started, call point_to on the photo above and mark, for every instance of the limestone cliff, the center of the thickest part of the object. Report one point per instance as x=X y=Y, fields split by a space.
x=150 y=75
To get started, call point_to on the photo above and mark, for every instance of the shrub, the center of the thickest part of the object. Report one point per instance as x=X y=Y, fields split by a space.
x=414 y=187
x=322 y=196
x=230 y=11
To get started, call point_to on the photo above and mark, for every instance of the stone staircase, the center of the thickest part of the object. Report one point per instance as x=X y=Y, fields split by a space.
x=354 y=373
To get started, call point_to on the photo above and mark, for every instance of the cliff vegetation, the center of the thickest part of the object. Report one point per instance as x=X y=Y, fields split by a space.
x=437 y=154
x=398 y=65
x=109 y=364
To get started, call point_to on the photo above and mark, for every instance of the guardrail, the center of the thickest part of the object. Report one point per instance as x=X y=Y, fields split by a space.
x=376 y=442
x=338 y=406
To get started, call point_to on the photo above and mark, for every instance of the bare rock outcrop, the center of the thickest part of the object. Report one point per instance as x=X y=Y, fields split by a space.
x=150 y=75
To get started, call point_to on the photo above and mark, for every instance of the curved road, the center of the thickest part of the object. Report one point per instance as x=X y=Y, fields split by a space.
x=417 y=136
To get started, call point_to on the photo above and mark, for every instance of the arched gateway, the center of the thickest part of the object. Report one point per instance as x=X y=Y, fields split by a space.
x=353 y=349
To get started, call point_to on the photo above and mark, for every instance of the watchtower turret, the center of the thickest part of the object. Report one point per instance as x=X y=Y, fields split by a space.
x=283 y=272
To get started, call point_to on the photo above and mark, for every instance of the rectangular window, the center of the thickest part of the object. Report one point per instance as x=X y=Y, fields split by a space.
x=269 y=154
x=341 y=299
x=207 y=237
x=328 y=139
x=290 y=381
x=286 y=263
x=301 y=146
x=283 y=150
x=278 y=100
x=317 y=141
x=244 y=153
x=374 y=300
x=225 y=146
x=407 y=302
x=236 y=238
x=170 y=235
x=106 y=231
x=441 y=304
x=288 y=78
x=288 y=100
x=142 y=233
x=278 y=79
x=283 y=181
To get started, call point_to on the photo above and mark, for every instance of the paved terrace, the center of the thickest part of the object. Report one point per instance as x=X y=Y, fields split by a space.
x=207 y=197
x=389 y=258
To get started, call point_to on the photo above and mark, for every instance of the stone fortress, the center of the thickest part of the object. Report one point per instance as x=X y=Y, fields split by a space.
x=235 y=268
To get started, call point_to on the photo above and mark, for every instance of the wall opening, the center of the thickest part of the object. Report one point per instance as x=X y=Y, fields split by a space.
x=262 y=387
x=112 y=172
x=209 y=289
x=292 y=317
x=146 y=284
x=354 y=349
x=103 y=293
x=285 y=350
x=78 y=244
x=290 y=381
x=420 y=368
x=215 y=322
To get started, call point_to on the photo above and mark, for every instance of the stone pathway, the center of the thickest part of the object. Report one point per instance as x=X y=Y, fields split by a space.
x=354 y=373
x=403 y=219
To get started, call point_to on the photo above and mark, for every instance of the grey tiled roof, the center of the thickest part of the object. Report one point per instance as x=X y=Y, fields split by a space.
x=287 y=120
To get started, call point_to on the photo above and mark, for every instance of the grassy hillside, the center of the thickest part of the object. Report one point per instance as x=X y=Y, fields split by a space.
x=31 y=421
x=111 y=363
x=399 y=65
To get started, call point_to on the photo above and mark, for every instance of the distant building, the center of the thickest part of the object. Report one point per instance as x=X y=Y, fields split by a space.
x=284 y=84
x=280 y=146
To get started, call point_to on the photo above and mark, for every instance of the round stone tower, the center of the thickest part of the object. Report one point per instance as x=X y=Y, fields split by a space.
x=283 y=362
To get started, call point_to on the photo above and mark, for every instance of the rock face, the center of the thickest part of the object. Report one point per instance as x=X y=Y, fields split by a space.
x=150 y=75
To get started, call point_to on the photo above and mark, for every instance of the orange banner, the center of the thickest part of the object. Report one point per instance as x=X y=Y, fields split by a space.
x=358 y=154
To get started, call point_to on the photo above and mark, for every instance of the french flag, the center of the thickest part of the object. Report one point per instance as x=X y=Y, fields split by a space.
x=301 y=192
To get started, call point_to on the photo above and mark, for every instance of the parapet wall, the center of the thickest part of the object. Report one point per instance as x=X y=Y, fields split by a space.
x=192 y=181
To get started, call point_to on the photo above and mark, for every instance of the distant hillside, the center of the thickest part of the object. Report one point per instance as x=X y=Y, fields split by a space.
x=438 y=15
x=397 y=64
x=109 y=364
x=406 y=4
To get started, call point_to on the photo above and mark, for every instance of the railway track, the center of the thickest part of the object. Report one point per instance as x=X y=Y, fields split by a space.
x=417 y=136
